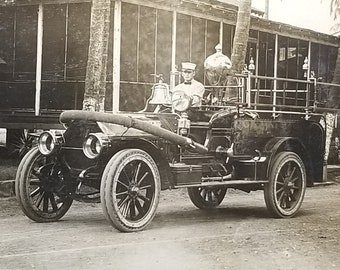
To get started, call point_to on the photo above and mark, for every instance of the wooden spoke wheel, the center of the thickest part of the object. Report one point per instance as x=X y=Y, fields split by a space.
x=287 y=185
x=207 y=197
x=39 y=188
x=130 y=190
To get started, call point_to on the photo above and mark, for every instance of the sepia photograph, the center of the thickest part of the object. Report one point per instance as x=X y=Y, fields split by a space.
x=169 y=134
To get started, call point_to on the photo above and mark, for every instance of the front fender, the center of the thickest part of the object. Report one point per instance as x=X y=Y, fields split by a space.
x=154 y=151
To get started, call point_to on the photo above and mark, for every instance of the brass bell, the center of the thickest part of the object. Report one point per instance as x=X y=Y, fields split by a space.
x=160 y=94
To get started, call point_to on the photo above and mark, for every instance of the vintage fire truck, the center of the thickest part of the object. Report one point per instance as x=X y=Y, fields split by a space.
x=262 y=138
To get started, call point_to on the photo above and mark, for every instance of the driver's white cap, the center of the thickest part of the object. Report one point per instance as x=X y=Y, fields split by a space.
x=188 y=66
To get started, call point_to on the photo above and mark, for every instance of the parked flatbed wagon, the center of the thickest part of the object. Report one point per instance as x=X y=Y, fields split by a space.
x=26 y=119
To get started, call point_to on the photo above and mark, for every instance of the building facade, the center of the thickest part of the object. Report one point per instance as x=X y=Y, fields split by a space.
x=44 y=49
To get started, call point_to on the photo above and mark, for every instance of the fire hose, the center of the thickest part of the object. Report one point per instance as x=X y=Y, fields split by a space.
x=130 y=122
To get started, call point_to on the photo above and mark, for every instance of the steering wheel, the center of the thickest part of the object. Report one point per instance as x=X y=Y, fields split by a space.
x=180 y=101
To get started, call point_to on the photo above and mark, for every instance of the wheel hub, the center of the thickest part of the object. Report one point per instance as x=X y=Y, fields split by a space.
x=287 y=184
x=290 y=184
x=52 y=183
x=133 y=190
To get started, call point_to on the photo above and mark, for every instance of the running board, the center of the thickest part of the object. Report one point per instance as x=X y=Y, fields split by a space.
x=224 y=183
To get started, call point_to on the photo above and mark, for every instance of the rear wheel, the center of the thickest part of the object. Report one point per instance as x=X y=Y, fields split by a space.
x=206 y=197
x=40 y=188
x=130 y=190
x=287 y=185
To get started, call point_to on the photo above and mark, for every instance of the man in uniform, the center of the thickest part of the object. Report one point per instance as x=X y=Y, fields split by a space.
x=190 y=86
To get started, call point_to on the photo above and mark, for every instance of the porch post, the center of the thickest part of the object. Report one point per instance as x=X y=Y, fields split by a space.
x=116 y=54
x=309 y=59
x=221 y=34
x=39 y=59
x=275 y=72
x=173 y=51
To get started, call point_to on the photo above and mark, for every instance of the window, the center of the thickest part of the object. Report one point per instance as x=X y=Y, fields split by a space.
x=26 y=42
x=163 y=46
x=147 y=44
x=6 y=43
x=228 y=37
x=266 y=58
x=252 y=48
x=78 y=32
x=54 y=38
x=196 y=40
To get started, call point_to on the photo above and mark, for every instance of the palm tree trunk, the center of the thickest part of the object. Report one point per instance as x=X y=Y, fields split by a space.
x=95 y=81
x=240 y=42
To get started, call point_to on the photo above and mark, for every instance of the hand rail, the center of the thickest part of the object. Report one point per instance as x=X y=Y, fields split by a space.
x=290 y=96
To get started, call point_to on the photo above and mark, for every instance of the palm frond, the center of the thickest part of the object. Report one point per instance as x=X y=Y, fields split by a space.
x=335 y=8
x=335 y=29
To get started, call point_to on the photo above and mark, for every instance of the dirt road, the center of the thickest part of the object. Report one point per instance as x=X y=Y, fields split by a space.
x=237 y=235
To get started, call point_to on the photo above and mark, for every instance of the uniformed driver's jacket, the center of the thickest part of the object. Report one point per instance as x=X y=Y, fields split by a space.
x=192 y=89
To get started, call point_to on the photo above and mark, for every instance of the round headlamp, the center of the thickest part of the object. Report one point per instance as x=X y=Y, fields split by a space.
x=95 y=144
x=180 y=101
x=49 y=142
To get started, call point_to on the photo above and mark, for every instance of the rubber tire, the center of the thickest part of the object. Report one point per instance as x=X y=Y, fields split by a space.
x=23 y=198
x=197 y=199
x=271 y=201
x=108 y=190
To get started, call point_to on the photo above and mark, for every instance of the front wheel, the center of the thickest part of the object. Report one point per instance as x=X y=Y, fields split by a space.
x=206 y=197
x=130 y=190
x=41 y=189
x=287 y=185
